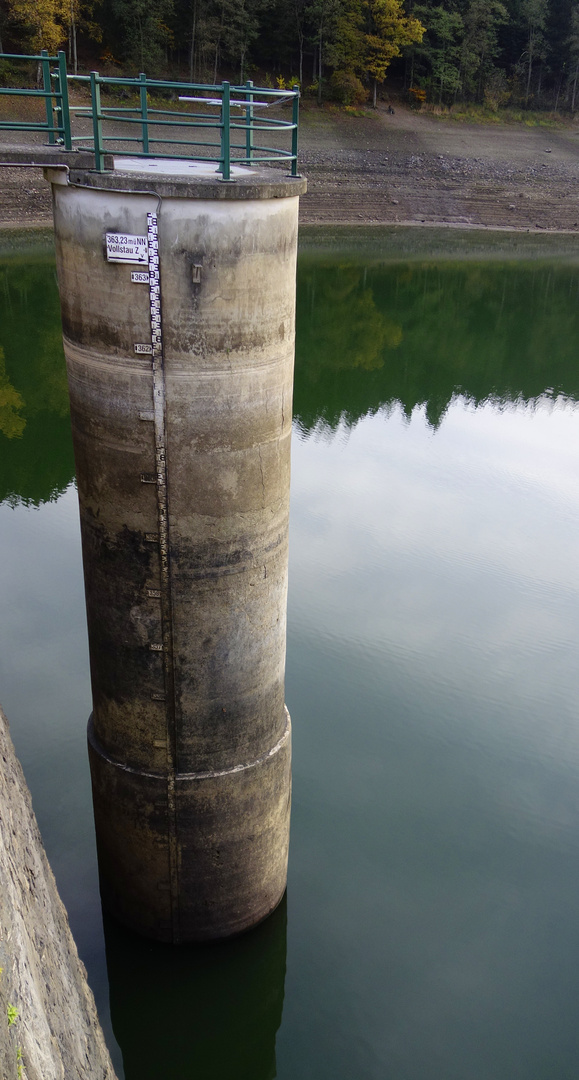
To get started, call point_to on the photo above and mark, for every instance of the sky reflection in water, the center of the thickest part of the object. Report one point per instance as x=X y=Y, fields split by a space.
x=432 y=914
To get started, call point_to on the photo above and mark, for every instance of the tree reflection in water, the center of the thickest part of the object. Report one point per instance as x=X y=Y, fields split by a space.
x=368 y=338
x=417 y=336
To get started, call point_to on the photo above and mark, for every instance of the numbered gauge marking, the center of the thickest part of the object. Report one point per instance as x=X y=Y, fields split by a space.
x=155 y=312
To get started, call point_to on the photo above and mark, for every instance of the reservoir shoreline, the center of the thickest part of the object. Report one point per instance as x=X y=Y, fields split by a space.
x=401 y=169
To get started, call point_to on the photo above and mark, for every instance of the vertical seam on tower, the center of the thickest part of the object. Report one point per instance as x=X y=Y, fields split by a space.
x=159 y=411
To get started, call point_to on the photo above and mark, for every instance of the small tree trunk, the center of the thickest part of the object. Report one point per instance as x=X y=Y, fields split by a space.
x=72 y=38
x=374 y=95
x=458 y=84
x=320 y=71
x=74 y=52
x=481 y=78
x=558 y=91
x=528 y=90
x=192 y=49
x=218 y=43
x=575 y=86
x=299 y=16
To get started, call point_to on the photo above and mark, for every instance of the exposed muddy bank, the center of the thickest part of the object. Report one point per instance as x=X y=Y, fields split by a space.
x=405 y=168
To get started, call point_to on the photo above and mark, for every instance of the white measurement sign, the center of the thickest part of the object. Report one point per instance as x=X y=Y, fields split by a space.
x=125 y=248
x=140 y=276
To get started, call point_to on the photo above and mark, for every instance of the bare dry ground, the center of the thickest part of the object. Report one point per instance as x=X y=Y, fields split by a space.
x=407 y=168
x=415 y=168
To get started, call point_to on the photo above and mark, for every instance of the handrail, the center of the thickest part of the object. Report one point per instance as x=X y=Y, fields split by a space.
x=151 y=122
x=54 y=92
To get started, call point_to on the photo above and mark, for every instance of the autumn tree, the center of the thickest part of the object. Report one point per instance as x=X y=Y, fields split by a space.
x=43 y=22
x=371 y=33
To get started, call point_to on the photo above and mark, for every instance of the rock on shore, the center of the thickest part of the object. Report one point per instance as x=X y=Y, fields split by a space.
x=49 y=1029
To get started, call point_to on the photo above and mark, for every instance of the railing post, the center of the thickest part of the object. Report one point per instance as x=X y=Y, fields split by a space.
x=144 y=113
x=45 y=65
x=295 y=119
x=225 y=161
x=97 y=125
x=65 y=109
x=249 y=122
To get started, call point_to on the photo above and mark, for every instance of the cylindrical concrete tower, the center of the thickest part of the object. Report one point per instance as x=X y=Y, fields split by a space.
x=178 y=295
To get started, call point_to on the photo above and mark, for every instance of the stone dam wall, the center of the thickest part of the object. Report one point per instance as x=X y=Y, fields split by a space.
x=49 y=1029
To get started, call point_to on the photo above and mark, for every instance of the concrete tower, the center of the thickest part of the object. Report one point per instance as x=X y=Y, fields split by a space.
x=178 y=298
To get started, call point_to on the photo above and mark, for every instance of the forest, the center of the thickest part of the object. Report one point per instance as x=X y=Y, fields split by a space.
x=496 y=53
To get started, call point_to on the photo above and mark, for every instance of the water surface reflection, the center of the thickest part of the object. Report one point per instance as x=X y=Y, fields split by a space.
x=419 y=336
x=198 y=1011
x=432 y=680
x=36 y=460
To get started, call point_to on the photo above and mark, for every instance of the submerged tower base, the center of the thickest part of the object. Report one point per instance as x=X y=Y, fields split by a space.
x=232 y=833
x=178 y=298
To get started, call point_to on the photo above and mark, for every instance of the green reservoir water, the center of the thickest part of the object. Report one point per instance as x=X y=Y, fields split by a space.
x=431 y=927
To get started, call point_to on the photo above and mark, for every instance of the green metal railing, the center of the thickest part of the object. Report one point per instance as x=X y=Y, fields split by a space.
x=233 y=114
x=55 y=93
